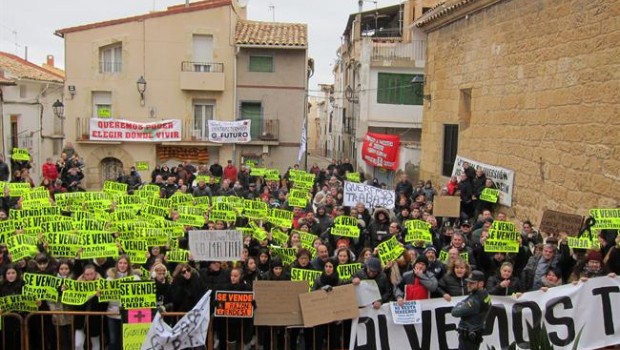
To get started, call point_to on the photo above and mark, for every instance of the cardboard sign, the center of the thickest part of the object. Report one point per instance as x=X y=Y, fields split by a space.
x=234 y=304
x=447 y=206
x=217 y=245
x=283 y=310
x=321 y=307
x=554 y=222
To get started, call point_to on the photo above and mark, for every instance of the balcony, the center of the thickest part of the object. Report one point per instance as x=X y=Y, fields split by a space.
x=202 y=76
x=263 y=131
x=398 y=51
x=266 y=130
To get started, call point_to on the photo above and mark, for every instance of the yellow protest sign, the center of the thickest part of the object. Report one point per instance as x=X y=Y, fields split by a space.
x=502 y=238
x=142 y=166
x=22 y=246
x=305 y=275
x=583 y=243
x=20 y=303
x=138 y=295
x=258 y=172
x=99 y=251
x=20 y=154
x=288 y=255
x=134 y=335
x=17 y=189
x=109 y=290
x=177 y=255
x=114 y=187
x=43 y=287
x=272 y=174
x=354 y=177
x=78 y=292
x=390 y=250
x=279 y=237
x=489 y=195
x=606 y=218
x=346 y=271
x=418 y=230
x=281 y=218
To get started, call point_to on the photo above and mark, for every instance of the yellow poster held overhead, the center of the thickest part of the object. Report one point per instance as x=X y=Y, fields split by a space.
x=114 y=187
x=489 y=195
x=20 y=154
x=138 y=295
x=418 y=230
x=502 y=238
x=142 y=165
x=390 y=250
x=305 y=275
x=78 y=292
x=43 y=287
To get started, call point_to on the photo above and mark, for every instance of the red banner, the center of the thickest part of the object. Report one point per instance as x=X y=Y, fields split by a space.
x=381 y=150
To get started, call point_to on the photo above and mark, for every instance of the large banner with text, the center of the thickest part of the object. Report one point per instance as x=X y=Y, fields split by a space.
x=502 y=178
x=381 y=150
x=230 y=132
x=583 y=314
x=127 y=130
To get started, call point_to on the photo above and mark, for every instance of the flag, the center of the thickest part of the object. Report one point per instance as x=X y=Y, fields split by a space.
x=302 y=146
x=189 y=332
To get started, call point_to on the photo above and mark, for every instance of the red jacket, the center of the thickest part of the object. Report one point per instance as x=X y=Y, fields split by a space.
x=230 y=172
x=50 y=172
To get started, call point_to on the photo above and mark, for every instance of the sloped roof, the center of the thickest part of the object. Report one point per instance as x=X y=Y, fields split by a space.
x=254 y=33
x=172 y=10
x=451 y=10
x=15 y=66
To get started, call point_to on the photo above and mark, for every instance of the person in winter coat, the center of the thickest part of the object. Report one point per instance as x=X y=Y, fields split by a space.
x=62 y=322
x=504 y=282
x=453 y=283
x=163 y=288
x=93 y=323
x=122 y=269
x=12 y=284
x=379 y=227
x=187 y=288
x=537 y=266
x=373 y=271
x=327 y=280
x=274 y=334
x=231 y=330
x=416 y=284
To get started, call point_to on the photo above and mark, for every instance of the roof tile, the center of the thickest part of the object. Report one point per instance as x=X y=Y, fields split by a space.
x=271 y=34
x=15 y=66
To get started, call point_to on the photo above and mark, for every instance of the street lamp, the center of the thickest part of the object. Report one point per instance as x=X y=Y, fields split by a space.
x=59 y=109
x=141 y=83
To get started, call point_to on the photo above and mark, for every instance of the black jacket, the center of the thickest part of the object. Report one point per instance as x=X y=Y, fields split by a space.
x=187 y=292
x=450 y=284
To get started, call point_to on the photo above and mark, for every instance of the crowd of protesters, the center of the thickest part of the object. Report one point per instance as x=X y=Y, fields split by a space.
x=543 y=261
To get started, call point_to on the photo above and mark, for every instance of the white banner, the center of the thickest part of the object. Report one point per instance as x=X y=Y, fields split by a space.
x=590 y=309
x=230 y=132
x=371 y=196
x=189 y=332
x=215 y=245
x=127 y=130
x=502 y=177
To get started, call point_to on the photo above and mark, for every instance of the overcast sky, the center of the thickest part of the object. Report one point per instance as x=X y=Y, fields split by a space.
x=31 y=23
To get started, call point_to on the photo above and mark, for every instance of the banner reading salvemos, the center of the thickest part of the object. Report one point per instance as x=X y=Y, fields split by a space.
x=127 y=130
x=230 y=132
x=566 y=311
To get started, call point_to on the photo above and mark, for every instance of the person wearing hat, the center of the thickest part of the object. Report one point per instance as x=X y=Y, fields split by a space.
x=592 y=267
x=473 y=312
x=435 y=265
x=417 y=284
x=373 y=271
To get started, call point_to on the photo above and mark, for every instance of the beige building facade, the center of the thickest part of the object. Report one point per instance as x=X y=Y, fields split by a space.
x=530 y=86
x=189 y=58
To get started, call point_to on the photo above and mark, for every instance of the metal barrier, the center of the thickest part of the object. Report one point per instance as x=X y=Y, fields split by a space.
x=12 y=331
x=48 y=330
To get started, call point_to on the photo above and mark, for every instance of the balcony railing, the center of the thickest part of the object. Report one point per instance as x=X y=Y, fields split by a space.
x=202 y=76
x=261 y=130
x=415 y=50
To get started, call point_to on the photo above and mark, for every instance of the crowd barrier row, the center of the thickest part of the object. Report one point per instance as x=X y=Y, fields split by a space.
x=37 y=331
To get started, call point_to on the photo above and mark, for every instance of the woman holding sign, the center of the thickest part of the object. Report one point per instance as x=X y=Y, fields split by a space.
x=121 y=270
x=12 y=284
x=94 y=323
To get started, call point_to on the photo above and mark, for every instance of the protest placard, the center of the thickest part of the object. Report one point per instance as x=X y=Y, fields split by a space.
x=43 y=287
x=142 y=165
x=554 y=222
x=371 y=196
x=78 y=292
x=447 y=206
x=409 y=313
x=305 y=275
x=346 y=271
x=389 y=250
x=234 y=304
x=503 y=178
x=138 y=295
x=283 y=310
x=217 y=245
x=418 y=230
x=321 y=307
x=20 y=154
x=606 y=218
x=489 y=195
x=230 y=132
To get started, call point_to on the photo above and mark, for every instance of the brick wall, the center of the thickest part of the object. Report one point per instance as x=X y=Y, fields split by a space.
x=545 y=100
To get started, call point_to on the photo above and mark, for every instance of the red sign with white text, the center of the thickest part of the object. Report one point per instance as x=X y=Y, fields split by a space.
x=381 y=150
x=127 y=130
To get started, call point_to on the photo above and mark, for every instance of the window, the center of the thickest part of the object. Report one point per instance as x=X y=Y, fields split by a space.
x=396 y=89
x=23 y=91
x=111 y=58
x=254 y=112
x=450 y=147
x=202 y=53
x=203 y=112
x=261 y=64
x=102 y=104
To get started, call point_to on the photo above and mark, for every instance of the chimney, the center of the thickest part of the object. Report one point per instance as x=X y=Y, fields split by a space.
x=50 y=60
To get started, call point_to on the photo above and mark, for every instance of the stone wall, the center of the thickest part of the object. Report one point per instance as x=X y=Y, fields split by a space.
x=545 y=100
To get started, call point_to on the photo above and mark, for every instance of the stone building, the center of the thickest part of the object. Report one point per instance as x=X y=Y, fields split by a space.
x=531 y=86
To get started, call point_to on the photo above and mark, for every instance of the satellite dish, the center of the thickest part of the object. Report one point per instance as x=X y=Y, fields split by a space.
x=243 y=3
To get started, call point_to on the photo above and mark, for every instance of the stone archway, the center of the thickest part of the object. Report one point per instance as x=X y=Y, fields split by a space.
x=110 y=168
x=95 y=176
